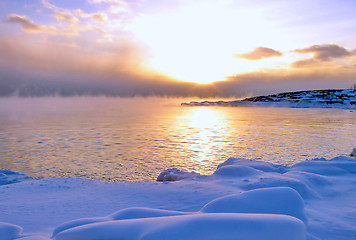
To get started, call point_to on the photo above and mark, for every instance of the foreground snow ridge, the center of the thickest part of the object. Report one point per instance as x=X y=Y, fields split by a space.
x=248 y=200
x=331 y=98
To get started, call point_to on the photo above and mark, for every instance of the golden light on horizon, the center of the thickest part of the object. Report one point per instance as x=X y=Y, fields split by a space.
x=197 y=42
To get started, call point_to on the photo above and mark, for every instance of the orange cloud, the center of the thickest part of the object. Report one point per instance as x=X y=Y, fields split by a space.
x=59 y=14
x=95 y=16
x=65 y=16
x=259 y=53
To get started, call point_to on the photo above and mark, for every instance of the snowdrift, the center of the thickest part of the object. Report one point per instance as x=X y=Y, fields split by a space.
x=244 y=199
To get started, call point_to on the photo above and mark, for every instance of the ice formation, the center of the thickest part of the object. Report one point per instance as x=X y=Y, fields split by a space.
x=174 y=174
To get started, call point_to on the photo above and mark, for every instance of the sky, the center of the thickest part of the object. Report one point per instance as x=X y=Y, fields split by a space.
x=205 y=48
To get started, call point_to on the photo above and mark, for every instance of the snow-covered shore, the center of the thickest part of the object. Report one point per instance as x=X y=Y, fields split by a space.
x=332 y=98
x=243 y=199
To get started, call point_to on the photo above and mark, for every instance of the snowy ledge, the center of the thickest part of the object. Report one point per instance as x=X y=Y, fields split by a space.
x=332 y=98
x=243 y=199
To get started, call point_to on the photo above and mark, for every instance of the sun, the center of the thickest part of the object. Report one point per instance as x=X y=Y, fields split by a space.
x=196 y=42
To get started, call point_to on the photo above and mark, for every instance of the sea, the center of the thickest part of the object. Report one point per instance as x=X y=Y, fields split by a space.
x=134 y=139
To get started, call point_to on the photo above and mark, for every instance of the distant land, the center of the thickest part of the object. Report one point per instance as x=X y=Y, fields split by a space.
x=327 y=98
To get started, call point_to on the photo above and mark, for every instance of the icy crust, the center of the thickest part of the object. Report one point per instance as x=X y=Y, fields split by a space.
x=8 y=177
x=243 y=199
x=174 y=174
x=353 y=153
x=332 y=98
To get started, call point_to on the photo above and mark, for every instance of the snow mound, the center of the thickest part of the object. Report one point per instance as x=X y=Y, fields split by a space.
x=8 y=177
x=335 y=166
x=209 y=226
x=249 y=215
x=304 y=177
x=174 y=174
x=33 y=237
x=141 y=212
x=237 y=171
x=124 y=214
x=9 y=231
x=279 y=200
x=259 y=165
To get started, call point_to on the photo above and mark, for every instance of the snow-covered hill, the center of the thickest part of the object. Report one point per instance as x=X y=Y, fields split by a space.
x=331 y=98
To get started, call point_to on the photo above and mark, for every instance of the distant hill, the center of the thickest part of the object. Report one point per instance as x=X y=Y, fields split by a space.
x=338 y=98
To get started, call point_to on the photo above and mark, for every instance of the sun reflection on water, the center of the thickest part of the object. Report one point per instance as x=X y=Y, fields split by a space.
x=204 y=118
x=136 y=139
x=205 y=129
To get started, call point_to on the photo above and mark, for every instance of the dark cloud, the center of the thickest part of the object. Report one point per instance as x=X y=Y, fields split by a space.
x=31 y=82
x=250 y=84
x=326 y=52
x=322 y=54
x=259 y=53
x=66 y=71
x=25 y=23
x=305 y=63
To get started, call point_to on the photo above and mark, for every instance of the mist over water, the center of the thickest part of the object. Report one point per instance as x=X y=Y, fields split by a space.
x=129 y=139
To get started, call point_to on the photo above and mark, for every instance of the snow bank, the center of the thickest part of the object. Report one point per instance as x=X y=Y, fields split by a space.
x=128 y=213
x=332 y=98
x=279 y=200
x=174 y=174
x=8 y=177
x=191 y=227
x=243 y=199
x=9 y=231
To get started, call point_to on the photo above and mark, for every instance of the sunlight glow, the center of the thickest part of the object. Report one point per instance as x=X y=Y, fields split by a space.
x=204 y=117
x=197 y=42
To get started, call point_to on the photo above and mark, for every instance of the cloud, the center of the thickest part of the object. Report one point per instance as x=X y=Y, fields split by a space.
x=262 y=83
x=326 y=52
x=28 y=25
x=98 y=17
x=65 y=16
x=305 y=63
x=259 y=53
x=95 y=16
x=61 y=14
x=73 y=27
x=322 y=55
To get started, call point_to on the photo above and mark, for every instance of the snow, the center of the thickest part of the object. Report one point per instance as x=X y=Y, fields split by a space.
x=190 y=227
x=174 y=174
x=278 y=200
x=353 y=153
x=8 y=177
x=330 y=98
x=9 y=231
x=243 y=199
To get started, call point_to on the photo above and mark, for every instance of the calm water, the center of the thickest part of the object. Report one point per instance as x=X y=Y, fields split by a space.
x=135 y=139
